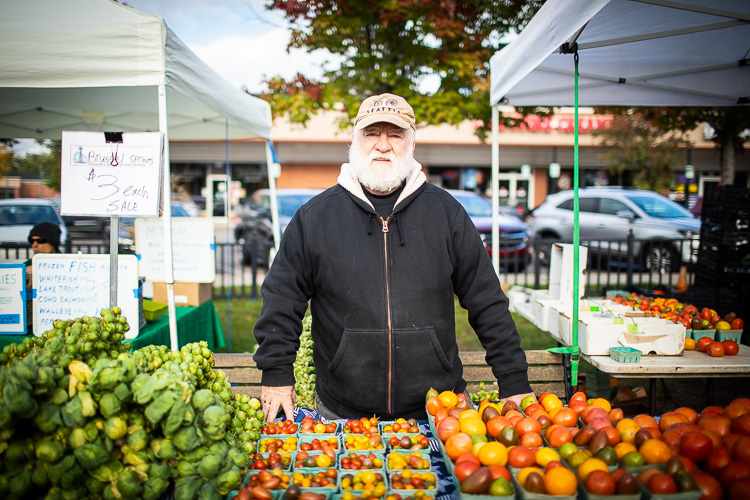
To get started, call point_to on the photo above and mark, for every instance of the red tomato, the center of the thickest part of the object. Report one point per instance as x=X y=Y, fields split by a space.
x=715 y=349
x=718 y=459
x=731 y=347
x=600 y=482
x=696 y=446
x=737 y=324
x=709 y=486
x=500 y=471
x=740 y=489
x=741 y=425
x=741 y=449
x=662 y=484
x=464 y=470
x=732 y=472
x=703 y=343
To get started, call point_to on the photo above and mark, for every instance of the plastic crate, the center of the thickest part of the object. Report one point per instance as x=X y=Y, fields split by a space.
x=699 y=334
x=152 y=310
x=625 y=354
x=722 y=335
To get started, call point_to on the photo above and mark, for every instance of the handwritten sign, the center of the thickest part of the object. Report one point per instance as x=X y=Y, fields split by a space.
x=103 y=178
x=68 y=286
x=193 y=249
x=12 y=297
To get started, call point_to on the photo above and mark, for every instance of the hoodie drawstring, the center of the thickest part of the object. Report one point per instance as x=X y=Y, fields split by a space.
x=368 y=225
x=397 y=222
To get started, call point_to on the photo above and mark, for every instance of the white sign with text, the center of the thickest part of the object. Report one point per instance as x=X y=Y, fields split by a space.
x=114 y=178
x=12 y=297
x=193 y=249
x=69 y=286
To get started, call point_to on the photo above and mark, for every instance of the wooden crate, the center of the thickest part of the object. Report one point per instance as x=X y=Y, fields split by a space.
x=546 y=372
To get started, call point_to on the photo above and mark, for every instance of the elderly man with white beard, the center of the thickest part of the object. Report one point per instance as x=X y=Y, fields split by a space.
x=380 y=257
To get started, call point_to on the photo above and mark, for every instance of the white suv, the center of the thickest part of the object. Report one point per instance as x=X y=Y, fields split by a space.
x=664 y=232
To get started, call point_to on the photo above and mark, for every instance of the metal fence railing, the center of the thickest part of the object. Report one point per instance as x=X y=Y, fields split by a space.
x=611 y=265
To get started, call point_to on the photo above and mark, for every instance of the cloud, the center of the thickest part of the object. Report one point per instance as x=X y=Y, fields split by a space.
x=244 y=61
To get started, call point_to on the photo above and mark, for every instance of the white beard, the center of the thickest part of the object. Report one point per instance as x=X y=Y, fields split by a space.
x=381 y=177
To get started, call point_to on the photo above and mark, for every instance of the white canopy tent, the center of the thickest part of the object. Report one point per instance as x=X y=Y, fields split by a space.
x=96 y=65
x=632 y=53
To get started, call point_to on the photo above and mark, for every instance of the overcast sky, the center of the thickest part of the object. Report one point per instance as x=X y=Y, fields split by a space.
x=239 y=39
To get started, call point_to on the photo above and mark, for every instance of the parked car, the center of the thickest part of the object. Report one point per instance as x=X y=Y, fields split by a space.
x=513 y=231
x=665 y=234
x=18 y=216
x=255 y=232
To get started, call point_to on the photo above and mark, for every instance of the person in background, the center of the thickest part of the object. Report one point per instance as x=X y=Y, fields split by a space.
x=44 y=237
x=381 y=256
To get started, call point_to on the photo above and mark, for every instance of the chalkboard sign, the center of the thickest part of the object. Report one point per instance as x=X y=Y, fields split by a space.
x=114 y=178
x=193 y=249
x=68 y=286
x=13 y=297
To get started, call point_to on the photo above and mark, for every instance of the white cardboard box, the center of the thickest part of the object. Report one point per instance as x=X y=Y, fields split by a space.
x=660 y=339
x=561 y=270
x=597 y=335
x=542 y=308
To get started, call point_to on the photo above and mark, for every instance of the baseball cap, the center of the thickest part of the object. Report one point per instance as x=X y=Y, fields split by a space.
x=385 y=108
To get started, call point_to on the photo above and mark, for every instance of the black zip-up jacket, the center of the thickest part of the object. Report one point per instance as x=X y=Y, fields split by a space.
x=382 y=301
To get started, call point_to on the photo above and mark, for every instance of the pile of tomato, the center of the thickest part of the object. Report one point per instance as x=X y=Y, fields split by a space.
x=595 y=446
x=687 y=314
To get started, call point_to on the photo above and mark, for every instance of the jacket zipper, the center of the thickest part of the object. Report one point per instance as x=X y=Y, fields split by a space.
x=388 y=311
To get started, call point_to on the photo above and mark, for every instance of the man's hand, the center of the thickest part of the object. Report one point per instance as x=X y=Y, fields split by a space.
x=518 y=398
x=273 y=398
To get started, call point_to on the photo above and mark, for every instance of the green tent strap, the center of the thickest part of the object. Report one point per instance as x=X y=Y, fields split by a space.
x=573 y=349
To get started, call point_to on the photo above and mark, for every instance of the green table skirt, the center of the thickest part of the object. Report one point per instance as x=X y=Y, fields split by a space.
x=193 y=324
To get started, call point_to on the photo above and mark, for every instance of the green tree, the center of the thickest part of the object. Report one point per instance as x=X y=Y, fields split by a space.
x=634 y=143
x=47 y=165
x=730 y=124
x=6 y=155
x=393 y=46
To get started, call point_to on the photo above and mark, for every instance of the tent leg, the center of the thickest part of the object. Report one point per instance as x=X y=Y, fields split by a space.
x=174 y=343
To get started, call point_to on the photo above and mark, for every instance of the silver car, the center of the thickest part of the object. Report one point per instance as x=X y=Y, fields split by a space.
x=18 y=216
x=664 y=232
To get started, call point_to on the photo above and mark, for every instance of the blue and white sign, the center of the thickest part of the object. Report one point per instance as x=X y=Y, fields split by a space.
x=13 y=319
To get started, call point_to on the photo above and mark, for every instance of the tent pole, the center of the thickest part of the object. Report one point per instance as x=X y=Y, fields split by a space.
x=273 y=170
x=228 y=256
x=495 y=195
x=167 y=219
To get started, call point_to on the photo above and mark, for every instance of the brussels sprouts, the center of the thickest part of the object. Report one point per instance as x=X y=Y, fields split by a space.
x=128 y=484
x=91 y=456
x=115 y=428
x=49 y=451
x=109 y=404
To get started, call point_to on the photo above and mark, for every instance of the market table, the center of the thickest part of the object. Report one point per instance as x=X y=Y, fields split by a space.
x=692 y=364
x=193 y=324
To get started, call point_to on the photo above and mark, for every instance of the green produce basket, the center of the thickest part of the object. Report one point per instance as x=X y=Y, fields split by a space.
x=625 y=354
x=314 y=469
x=584 y=494
x=699 y=334
x=152 y=310
x=468 y=496
x=687 y=495
x=382 y=425
x=722 y=335
x=381 y=456
x=522 y=494
x=309 y=438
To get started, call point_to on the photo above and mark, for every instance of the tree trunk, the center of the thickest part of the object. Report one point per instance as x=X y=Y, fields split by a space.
x=728 y=145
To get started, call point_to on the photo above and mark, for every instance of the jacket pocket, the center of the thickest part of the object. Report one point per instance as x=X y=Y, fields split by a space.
x=420 y=363
x=359 y=369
